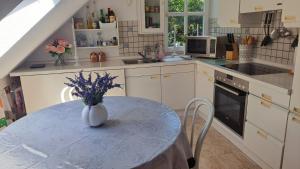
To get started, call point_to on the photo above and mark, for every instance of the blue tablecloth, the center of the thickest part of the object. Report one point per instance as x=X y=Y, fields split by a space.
x=139 y=134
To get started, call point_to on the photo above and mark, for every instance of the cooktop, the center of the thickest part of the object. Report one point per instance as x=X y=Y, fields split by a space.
x=255 y=68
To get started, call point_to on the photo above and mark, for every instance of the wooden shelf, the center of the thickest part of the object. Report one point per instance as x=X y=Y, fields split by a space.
x=87 y=30
x=98 y=47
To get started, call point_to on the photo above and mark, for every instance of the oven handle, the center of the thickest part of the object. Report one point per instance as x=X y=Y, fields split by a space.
x=228 y=90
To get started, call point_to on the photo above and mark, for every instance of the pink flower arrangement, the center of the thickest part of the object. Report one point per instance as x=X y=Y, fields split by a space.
x=59 y=47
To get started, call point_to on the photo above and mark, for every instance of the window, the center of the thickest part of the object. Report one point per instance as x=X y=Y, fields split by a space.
x=185 y=17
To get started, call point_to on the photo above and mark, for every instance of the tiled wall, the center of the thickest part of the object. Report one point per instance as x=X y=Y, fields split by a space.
x=131 y=42
x=279 y=51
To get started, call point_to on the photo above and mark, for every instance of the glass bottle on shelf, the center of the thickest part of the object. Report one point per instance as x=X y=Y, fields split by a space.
x=102 y=16
x=89 y=18
x=94 y=16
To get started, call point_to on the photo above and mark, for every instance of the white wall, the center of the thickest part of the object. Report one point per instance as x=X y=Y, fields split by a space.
x=124 y=10
x=40 y=55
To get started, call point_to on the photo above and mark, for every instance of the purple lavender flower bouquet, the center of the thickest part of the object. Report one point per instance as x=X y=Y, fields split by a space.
x=91 y=93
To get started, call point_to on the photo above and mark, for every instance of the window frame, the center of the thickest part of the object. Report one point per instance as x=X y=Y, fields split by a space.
x=185 y=14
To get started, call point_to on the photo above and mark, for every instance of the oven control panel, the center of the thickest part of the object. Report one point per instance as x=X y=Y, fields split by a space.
x=232 y=81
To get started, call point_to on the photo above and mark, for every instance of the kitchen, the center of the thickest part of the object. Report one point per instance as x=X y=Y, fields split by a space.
x=246 y=64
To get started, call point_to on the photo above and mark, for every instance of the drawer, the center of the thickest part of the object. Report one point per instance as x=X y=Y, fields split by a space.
x=145 y=71
x=263 y=145
x=178 y=69
x=267 y=116
x=205 y=71
x=269 y=94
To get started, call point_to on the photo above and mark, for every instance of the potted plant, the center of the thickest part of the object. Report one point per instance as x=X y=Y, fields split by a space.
x=57 y=49
x=91 y=92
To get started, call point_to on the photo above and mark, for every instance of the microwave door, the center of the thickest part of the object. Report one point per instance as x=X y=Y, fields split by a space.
x=196 y=47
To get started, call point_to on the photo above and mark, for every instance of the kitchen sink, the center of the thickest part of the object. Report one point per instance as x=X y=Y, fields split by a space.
x=140 y=61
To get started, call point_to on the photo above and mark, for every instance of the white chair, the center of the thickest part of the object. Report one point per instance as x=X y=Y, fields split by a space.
x=197 y=103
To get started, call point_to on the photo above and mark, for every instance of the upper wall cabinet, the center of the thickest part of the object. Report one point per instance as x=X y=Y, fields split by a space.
x=290 y=13
x=227 y=15
x=248 y=6
x=151 y=16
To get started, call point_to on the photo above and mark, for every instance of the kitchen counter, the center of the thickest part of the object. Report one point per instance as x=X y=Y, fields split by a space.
x=279 y=82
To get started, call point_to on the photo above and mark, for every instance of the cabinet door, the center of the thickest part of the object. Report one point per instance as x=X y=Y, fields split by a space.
x=291 y=156
x=120 y=80
x=228 y=15
x=295 y=100
x=290 y=13
x=151 y=16
x=178 y=89
x=42 y=91
x=205 y=84
x=259 y=5
x=144 y=86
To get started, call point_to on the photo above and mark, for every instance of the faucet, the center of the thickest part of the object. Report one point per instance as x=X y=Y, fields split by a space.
x=144 y=54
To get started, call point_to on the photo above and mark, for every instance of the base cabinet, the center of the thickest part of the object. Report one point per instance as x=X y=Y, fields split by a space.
x=291 y=158
x=41 y=91
x=178 y=89
x=144 y=86
x=263 y=145
x=205 y=84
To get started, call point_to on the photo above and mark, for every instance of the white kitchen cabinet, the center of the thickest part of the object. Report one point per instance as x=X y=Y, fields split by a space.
x=263 y=145
x=144 y=86
x=290 y=13
x=204 y=84
x=227 y=15
x=248 y=6
x=41 y=91
x=178 y=89
x=151 y=16
x=265 y=92
x=291 y=158
x=269 y=117
x=295 y=99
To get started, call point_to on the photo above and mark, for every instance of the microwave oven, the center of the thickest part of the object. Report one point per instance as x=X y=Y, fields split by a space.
x=201 y=46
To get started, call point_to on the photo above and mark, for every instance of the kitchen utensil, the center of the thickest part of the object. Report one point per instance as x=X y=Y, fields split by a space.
x=263 y=43
x=295 y=42
x=268 y=39
x=274 y=34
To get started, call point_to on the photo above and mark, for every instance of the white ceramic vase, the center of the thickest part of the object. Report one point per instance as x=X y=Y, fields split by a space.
x=94 y=115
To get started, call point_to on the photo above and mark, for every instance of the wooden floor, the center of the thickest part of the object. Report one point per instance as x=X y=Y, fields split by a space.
x=220 y=153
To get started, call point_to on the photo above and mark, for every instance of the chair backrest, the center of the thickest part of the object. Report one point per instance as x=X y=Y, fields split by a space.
x=196 y=104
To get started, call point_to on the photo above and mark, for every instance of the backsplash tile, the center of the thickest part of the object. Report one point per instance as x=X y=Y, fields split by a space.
x=280 y=51
x=131 y=42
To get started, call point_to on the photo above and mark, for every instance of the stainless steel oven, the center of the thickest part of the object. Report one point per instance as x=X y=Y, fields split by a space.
x=230 y=101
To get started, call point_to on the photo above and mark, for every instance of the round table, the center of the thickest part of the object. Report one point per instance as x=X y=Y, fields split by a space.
x=139 y=134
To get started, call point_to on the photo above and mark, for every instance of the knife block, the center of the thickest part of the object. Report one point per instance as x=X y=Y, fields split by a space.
x=234 y=54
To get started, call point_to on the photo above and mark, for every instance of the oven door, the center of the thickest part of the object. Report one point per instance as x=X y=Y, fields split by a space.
x=230 y=106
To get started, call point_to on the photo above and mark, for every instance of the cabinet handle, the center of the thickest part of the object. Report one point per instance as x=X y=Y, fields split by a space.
x=258 y=8
x=204 y=72
x=154 y=77
x=266 y=103
x=232 y=21
x=266 y=97
x=262 y=134
x=167 y=76
x=210 y=79
x=296 y=110
x=290 y=18
x=296 y=119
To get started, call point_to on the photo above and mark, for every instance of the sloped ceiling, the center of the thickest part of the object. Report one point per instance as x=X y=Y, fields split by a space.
x=7 y=6
x=15 y=52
